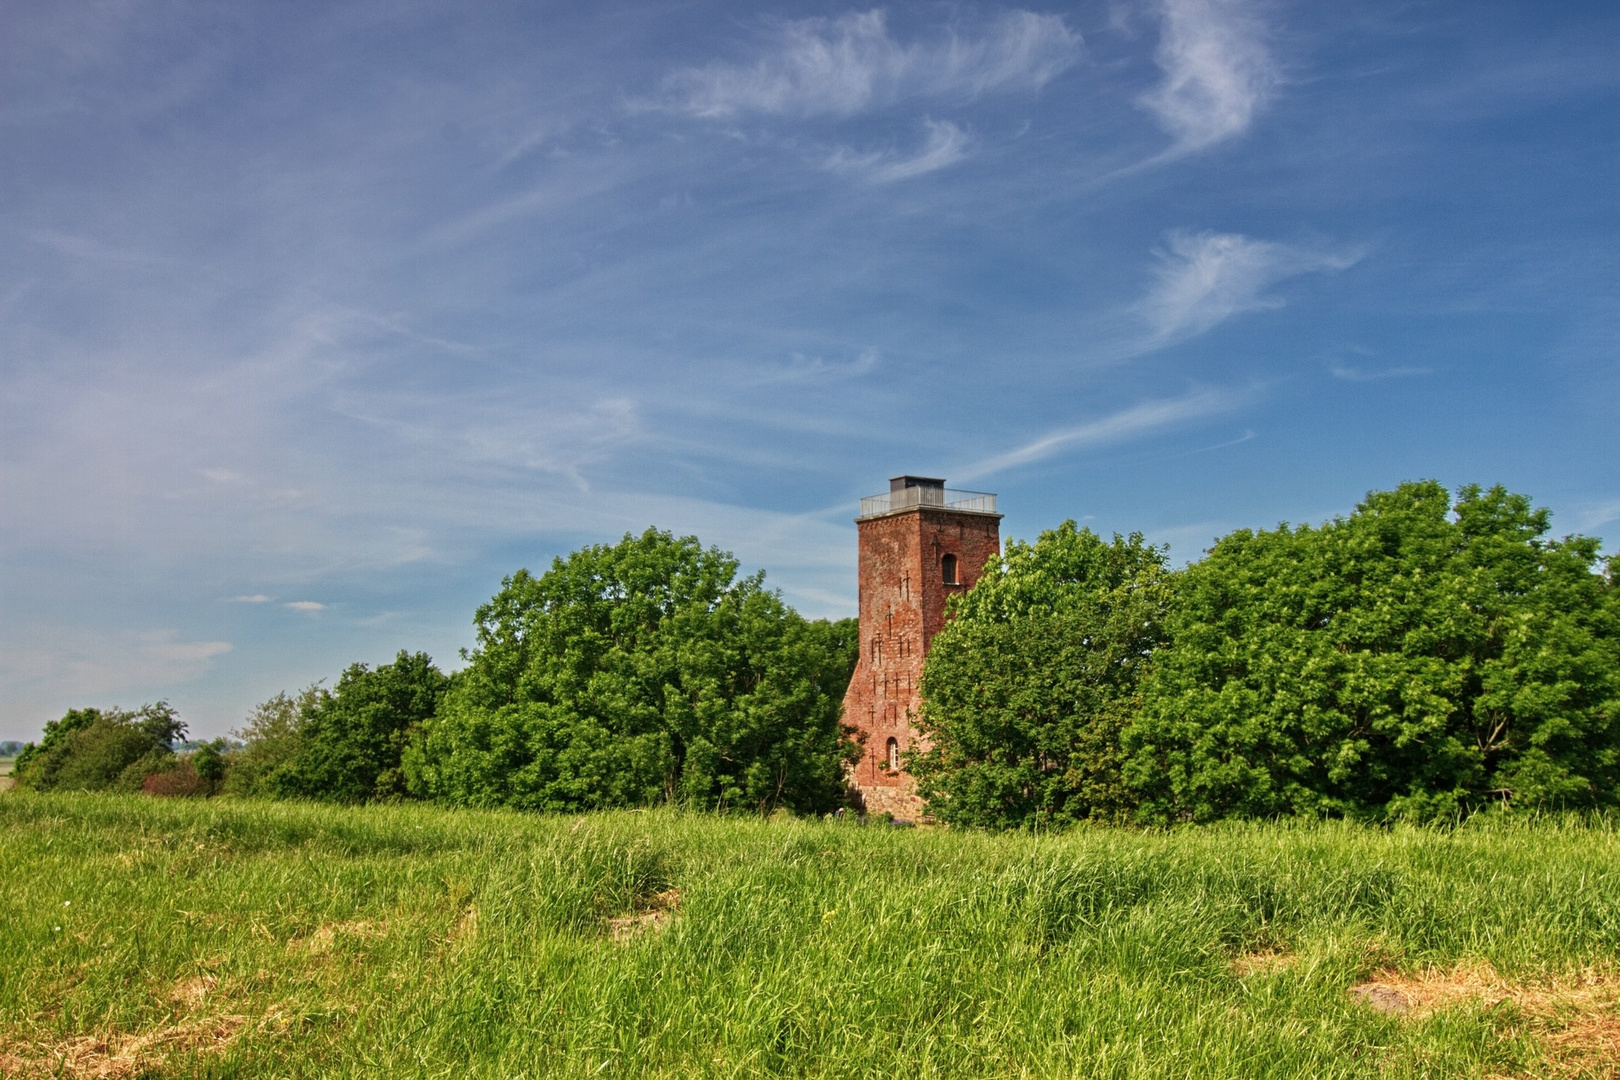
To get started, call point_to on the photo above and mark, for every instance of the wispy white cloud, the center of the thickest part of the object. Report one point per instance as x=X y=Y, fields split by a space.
x=946 y=145
x=86 y=663
x=305 y=605
x=849 y=64
x=1217 y=72
x=255 y=598
x=1206 y=278
x=1588 y=516
x=1125 y=424
x=1350 y=373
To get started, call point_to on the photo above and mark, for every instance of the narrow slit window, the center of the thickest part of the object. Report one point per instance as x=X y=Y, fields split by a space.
x=894 y=755
x=947 y=567
x=877 y=651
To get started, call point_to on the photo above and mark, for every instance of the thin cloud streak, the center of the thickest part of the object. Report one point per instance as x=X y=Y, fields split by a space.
x=1355 y=374
x=1125 y=424
x=946 y=145
x=850 y=64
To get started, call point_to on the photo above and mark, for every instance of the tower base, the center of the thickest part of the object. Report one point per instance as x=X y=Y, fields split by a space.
x=899 y=803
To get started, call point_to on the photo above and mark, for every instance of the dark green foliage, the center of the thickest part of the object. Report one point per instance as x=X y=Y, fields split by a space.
x=1028 y=686
x=209 y=761
x=272 y=739
x=347 y=742
x=636 y=673
x=1416 y=659
x=98 y=749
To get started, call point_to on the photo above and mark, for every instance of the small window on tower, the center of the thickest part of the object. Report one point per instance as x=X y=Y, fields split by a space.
x=947 y=567
x=894 y=755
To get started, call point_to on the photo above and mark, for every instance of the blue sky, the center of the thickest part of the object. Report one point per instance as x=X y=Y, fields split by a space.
x=318 y=319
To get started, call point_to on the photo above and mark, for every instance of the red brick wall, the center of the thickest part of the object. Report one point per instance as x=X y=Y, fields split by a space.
x=902 y=606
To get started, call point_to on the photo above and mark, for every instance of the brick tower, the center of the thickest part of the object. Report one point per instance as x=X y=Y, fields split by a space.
x=919 y=545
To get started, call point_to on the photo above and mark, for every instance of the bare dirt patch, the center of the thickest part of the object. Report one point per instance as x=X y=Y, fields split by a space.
x=1577 y=1017
x=659 y=913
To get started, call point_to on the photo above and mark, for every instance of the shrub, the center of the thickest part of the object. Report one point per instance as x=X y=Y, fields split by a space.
x=272 y=739
x=179 y=780
x=347 y=742
x=1420 y=658
x=95 y=749
x=640 y=672
x=1028 y=686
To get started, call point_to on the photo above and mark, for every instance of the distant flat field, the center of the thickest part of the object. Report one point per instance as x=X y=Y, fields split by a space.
x=245 y=939
x=6 y=781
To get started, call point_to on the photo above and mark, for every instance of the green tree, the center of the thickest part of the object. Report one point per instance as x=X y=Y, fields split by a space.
x=638 y=672
x=349 y=740
x=272 y=740
x=1028 y=686
x=1418 y=658
x=210 y=763
x=99 y=749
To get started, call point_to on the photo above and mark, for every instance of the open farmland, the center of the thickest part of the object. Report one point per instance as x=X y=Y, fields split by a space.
x=239 y=938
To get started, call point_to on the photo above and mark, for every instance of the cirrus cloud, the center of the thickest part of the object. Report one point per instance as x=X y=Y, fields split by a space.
x=849 y=64
x=1217 y=72
x=1206 y=278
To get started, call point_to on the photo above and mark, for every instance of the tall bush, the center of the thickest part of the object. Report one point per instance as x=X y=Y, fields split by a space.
x=1418 y=658
x=1027 y=688
x=638 y=672
x=101 y=749
x=345 y=744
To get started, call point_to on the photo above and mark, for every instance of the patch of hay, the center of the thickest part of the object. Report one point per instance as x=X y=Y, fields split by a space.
x=659 y=913
x=119 y=1056
x=1262 y=963
x=326 y=935
x=1578 y=1018
x=190 y=993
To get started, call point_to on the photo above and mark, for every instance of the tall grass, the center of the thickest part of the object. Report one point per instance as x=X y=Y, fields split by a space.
x=410 y=941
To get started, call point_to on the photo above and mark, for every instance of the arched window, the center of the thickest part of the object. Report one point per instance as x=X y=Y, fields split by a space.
x=894 y=755
x=947 y=567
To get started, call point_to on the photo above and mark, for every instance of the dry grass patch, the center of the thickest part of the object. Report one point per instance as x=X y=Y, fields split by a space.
x=1265 y=962
x=326 y=935
x=190 y=993
x=659 y=913
x=116 y=1056
x=1578 y=1018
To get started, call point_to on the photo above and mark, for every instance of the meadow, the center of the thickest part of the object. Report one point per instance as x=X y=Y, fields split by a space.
x=177 y=938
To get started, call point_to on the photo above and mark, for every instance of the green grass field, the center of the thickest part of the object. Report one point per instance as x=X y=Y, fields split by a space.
x=169 y=938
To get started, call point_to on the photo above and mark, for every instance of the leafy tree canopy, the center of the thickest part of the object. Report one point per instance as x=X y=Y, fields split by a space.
x=272 y=738
x=98 y=749
x=346 y=743
x=637 y=672
x=1418 y=658
x=1028 y=686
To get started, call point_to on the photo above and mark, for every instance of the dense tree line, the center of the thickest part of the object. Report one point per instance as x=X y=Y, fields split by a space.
x=1423 y=657
x=1420 y=658
x=626 y=675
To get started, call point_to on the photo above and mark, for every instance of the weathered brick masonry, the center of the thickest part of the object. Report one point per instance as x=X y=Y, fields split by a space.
x=916 y=551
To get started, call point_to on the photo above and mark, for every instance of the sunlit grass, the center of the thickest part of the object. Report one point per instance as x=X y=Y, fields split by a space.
x=263 y=939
